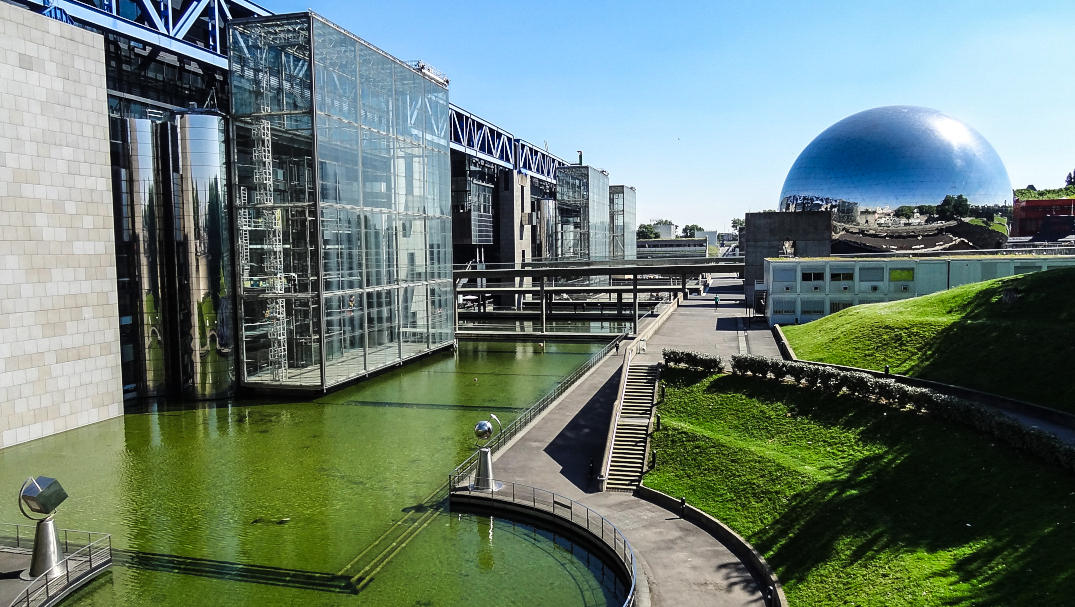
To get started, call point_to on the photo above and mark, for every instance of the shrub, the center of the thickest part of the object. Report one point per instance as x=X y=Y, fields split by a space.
x=887 y=390
x=693 y=360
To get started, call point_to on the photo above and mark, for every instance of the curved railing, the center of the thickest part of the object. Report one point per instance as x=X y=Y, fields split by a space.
x=92 y=553
x=470 y=464
x=569 y=510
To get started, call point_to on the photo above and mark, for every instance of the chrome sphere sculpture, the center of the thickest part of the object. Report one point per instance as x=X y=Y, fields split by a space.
x=484 y=430
x=484 y=481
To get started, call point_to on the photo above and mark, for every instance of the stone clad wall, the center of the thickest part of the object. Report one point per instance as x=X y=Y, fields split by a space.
x=59 y=332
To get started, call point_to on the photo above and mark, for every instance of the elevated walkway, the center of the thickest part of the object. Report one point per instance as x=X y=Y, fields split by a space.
x=85 y=555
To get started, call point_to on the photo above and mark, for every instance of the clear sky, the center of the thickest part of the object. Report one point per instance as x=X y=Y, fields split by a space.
x=704 y=106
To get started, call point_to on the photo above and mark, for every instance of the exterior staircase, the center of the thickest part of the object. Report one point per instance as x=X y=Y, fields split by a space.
x=628 y=458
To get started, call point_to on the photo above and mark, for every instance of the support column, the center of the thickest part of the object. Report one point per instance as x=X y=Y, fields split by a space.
x=634 y=292
x=543 y=304
x=683 y=284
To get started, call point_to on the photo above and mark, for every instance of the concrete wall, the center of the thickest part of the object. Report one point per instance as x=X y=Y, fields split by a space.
x=851 y=281
x=765 y=234
x=59 y=333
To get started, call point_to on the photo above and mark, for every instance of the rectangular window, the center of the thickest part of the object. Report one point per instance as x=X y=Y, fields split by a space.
x=813 y=276
x=900 y=274
x=783 y=305
x=813 y=307
x=1026 y=269
x=871 y=274
x=783 y=274
x=841 y=274
x=836 y=306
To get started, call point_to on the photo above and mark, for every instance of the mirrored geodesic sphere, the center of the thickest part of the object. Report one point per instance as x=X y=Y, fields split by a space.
x=892 y=156
x=483 y=430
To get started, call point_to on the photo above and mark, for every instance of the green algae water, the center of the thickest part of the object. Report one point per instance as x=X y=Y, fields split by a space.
x=273 y=503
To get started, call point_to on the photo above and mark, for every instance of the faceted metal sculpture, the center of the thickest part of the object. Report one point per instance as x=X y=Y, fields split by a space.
x=892 y=156
x=43 y=495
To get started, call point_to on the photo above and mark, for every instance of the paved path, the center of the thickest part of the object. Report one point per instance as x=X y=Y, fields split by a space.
x=683 y=564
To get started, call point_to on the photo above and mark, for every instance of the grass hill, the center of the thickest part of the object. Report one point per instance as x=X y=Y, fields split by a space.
x=1013 y=336
x=858 y=504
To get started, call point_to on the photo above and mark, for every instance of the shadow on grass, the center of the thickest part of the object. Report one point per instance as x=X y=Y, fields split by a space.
x=977 y=522
x=1015 y=338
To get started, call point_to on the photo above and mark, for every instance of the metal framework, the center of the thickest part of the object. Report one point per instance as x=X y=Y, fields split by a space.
x=475 y=136
x=537 y=162
x=194 y=33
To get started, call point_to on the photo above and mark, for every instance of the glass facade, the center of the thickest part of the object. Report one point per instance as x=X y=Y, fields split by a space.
x=892 y=156
x=622 y=222
x=344 y=191
x=582 y=211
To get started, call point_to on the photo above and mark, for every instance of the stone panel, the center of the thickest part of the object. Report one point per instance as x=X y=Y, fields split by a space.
x=59 y=332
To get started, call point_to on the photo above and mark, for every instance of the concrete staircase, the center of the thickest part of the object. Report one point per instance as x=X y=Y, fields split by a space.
x=632 y=429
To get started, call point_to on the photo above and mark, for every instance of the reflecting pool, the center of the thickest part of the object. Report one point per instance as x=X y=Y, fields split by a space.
x=263 y=502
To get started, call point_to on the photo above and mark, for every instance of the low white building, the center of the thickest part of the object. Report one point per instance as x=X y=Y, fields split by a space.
x=805 y=289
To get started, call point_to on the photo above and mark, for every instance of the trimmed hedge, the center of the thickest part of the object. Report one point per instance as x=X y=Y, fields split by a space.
x=693 y=360
x=890 y=392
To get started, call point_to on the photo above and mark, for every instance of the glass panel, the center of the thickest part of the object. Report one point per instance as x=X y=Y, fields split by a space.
x=900 y=274
x=276 y=202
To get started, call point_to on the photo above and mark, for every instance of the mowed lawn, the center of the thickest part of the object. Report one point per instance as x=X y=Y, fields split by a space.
x=1013 y=336
x=854 y=503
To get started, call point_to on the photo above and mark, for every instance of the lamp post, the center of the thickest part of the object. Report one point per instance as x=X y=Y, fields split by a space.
x=484 y=480
x=42 y=495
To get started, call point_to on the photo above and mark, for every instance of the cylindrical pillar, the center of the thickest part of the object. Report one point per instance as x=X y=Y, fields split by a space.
x=204 y=284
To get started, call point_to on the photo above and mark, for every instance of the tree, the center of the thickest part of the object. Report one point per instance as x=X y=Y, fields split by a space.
x=953 y=207
x=662 y=222
x=905 y=211
x=690 y=230
x=1031 y=188
x=646 y=232
x=1070 y=179
x=738 y=222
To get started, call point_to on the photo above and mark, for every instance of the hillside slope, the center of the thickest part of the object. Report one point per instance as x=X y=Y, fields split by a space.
x=1013 y=336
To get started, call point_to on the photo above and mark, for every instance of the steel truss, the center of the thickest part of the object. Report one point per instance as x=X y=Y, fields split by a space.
x=195 y=32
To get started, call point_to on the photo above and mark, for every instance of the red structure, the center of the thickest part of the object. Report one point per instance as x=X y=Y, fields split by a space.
x=1029 y=215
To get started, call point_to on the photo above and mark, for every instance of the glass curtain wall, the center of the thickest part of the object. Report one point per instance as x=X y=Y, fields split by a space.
x=583 y=211
x=630 y=224
x=362 y=247
x=615 y=219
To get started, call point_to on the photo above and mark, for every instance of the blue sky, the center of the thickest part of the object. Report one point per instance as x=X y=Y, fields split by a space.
x=704 y=106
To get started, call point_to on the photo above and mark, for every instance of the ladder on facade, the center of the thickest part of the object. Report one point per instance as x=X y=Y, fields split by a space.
x=628 y=457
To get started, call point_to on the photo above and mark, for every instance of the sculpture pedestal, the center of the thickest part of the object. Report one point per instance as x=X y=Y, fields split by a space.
x=47 y=553
x=484 y=480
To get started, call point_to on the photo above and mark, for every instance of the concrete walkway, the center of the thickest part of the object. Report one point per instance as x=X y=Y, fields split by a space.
x=683 y=565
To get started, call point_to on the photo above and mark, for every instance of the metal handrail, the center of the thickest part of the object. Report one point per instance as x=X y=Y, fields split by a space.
x=568 y=509
x=95 y=554
x=610 y=440
x=470 y=464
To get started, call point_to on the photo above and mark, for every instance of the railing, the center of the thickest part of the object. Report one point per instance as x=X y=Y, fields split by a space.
x=606 y=458
x=470 y=465
x=570 y=510
x=603 y=263
x=92 y=552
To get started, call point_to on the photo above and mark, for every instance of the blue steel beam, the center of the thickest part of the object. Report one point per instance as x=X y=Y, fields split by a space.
x=537 y=162
x=159 y=30
x=480 y=138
